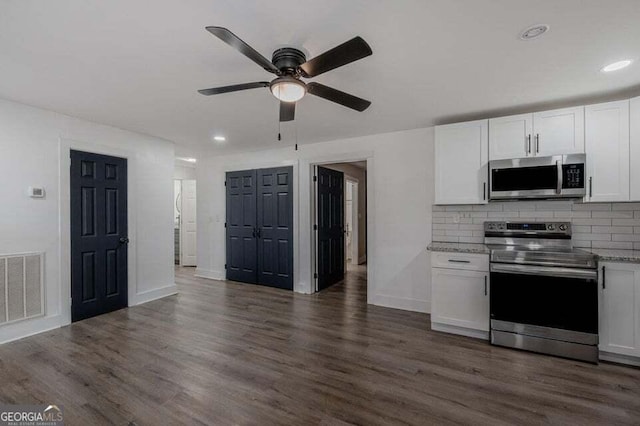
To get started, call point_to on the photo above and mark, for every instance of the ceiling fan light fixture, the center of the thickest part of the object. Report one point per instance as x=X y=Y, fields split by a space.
x=288 y=89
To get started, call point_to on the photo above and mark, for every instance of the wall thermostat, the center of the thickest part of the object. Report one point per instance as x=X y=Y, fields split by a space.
x=36 y=192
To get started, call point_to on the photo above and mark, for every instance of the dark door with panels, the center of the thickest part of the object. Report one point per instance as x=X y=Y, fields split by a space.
x=330 y=226
x=242 y=250
x=275 y=227
x=98 y=234
x=260 y=227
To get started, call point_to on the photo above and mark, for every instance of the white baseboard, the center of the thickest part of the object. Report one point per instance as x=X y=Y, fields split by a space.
x=453 y=329
x=26 y=328
x=209 y=274
x=156 y=293
x=620 y=359
x=362 y=259
x=404 y=303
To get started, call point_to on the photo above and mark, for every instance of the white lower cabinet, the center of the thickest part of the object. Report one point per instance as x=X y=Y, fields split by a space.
x=620 y=309
x=460 y=297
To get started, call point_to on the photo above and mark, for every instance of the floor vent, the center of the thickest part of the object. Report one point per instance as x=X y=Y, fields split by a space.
x=21 y=292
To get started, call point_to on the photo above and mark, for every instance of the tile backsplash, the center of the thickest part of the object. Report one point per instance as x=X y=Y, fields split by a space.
x=595 y=225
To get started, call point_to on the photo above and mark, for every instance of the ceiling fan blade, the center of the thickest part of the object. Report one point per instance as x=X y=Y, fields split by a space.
x=347 y=52
x=233 y=88
x=234 y=41
x=287 y=111
x=338 y=97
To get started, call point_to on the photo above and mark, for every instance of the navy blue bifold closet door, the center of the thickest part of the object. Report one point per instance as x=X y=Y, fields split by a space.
x=260 y=227
x=275 y=227
x=241 y=226
x=98 y=234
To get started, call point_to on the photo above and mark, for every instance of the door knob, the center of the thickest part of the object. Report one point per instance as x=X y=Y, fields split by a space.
x=124 y=240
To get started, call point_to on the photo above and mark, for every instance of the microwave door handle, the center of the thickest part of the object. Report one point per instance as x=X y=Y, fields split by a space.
x=559 y=182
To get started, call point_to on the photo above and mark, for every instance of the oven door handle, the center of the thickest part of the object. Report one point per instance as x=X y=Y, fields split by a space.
x=588 y=274
x=559 y=181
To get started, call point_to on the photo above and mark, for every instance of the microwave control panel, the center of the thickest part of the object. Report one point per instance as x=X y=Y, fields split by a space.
x=573 y=176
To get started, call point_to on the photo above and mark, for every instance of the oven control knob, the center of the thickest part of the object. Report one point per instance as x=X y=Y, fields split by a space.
x=551 y=227
x=563 y=227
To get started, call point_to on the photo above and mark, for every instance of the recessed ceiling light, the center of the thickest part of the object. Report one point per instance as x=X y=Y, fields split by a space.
x=617 y=65
x=220 y=138
x=190 y=160
x=534 y=32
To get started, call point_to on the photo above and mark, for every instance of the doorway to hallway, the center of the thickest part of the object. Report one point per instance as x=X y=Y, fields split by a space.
x=185 y=221
x=339 y=206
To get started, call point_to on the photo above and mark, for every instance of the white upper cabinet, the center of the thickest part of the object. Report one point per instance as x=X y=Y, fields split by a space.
x=461 y=153
x=511 y=137
x=620 y=308
x=607 y=149
x=635 y=148
x=558 y=132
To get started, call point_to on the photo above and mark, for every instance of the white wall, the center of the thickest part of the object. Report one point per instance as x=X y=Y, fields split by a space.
x=34 y=150
x=184 y=172
x=400 y=173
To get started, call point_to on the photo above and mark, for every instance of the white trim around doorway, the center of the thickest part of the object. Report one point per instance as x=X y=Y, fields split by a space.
x=307 y=214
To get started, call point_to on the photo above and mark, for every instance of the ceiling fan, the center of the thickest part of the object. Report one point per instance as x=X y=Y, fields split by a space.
x=290 y=66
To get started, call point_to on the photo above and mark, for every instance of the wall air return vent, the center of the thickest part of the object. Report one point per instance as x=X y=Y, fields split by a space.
x=21 y=287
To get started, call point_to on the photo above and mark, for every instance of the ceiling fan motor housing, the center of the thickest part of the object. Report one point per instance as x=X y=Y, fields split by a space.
x=288 y=59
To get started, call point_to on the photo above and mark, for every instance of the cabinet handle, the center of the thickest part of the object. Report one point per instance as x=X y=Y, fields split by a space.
x=604 y=285
x=590 y=186
x=458 y=261
x=537 y=143
x=484 y=191
x=485 y=285
x=529 y=144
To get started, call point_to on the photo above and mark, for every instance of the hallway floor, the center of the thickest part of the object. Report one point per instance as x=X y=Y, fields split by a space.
x=231 y=353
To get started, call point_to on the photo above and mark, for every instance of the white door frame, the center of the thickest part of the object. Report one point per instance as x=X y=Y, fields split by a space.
x=64 y=199
x=307 y=217
x=181 y=226
x=175 y=202
x=355 y=220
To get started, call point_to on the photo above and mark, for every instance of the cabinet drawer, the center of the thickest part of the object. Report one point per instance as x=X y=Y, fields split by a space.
x=468 y=261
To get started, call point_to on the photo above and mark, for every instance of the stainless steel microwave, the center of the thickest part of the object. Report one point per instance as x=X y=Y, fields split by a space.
x=558 y=176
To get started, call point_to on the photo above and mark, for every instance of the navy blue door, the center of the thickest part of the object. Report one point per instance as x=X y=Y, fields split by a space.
x=275 y=227
x=242 y=254
x=330 y=226
x=98 y=234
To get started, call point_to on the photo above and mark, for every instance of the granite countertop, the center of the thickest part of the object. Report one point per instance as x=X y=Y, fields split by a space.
x=610 y=255
x=604 y=255
x=458 y=247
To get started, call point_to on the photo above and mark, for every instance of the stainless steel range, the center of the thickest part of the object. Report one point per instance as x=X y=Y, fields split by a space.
x=544 y=293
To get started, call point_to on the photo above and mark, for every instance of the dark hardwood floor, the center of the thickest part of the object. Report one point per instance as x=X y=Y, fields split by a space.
x=228 y=353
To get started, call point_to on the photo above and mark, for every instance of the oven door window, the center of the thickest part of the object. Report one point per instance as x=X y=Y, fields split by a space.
x=524 y=178
x=565 y=303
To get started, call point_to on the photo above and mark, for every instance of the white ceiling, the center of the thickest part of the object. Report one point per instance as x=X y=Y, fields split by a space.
x=137 y=64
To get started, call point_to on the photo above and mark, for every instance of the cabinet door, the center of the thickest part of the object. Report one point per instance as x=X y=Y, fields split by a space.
x=607 y=149
x=460 y=298
x=461 y=152
x=635 y=149
x=558 y=132
x=510 y=137
x=620 y=308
